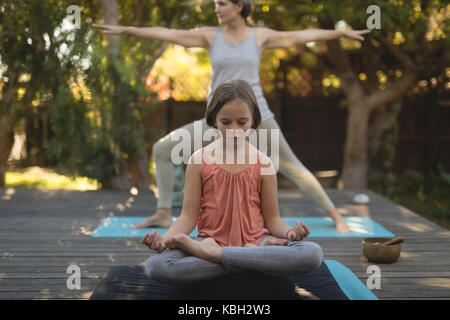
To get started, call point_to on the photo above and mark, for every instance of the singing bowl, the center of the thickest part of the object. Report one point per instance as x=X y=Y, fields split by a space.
x=378 y=252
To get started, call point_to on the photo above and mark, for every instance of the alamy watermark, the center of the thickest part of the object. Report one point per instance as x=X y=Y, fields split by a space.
x=233 y=143
x=74 y=17
x=74 y=280
x=374 y=280
x=374 y=20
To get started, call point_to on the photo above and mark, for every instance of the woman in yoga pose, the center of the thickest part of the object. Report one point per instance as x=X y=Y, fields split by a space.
x=235 y=53
x=234 y=205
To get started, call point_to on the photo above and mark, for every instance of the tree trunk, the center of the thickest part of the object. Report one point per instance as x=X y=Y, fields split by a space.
x=121 y=180
x=354 y=173
x=7 y=122
x=139 y=171
x=6 y=144
x=111 y=16
x=355 y=167
x=433 y=132
x=382 y=135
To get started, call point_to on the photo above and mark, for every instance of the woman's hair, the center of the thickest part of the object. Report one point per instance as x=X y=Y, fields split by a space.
x=232 y=90
x=246 y=10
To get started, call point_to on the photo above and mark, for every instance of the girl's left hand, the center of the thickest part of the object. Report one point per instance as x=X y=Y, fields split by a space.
x=356 y=34
x=297 y=233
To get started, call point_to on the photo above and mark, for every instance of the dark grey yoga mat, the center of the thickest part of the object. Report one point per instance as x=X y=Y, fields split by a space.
x=130 y=282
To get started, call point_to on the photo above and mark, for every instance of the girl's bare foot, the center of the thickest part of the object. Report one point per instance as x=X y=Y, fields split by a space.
x=274 y=241
x=162 y=219
x=207 y=249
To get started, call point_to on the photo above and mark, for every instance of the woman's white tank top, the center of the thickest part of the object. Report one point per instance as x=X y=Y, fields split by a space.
x=237 y=61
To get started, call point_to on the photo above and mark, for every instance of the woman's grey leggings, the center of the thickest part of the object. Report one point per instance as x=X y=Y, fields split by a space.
x=289 y=165
x=176 y=267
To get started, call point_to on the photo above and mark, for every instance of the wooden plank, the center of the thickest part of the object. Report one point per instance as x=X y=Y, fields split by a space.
x=48 y=275
x=409 y=274
x=126 y=244
x=79 y=262
x=429 y=281
x=130 y=253
x=95 y=268
x=405 y=268
x=408 y=294
x=52 y=285
x=31 y=268
x=46 y=294
x=70 y=254
x=413 y=298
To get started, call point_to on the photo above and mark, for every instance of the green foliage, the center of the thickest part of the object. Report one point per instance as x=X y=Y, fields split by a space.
x=96 y=104
x=427 y=196
x=104 y=133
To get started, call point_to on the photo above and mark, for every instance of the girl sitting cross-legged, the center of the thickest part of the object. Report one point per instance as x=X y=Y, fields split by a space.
x=230 y=194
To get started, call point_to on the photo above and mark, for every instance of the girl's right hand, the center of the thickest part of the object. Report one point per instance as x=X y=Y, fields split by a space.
x=154 y=241
x=109 y=29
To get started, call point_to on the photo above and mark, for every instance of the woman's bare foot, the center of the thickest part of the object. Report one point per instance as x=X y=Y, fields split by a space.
x=250 y=245
x=341 y=226
x=274 y=241
x=207 y=249
x=162 y=219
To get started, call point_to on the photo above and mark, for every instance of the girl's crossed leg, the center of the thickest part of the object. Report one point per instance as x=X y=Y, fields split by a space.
x=199 y=259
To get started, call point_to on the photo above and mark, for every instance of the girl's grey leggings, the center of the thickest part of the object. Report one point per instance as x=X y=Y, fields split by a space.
x=176 y=267
x=289 y=165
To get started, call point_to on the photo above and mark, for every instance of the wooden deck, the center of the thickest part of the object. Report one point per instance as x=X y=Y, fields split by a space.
x=43 y=232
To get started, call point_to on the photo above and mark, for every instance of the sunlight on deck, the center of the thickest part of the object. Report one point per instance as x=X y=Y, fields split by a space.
x=8 y=194
x=305 y=294
x=409 y=254
x=86 y=295
x=405 y=212
x=414 y=226
x=435 y=282
x=42 y=178
x=85 y=231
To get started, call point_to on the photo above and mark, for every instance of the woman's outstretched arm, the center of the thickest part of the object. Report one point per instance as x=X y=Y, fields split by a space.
x=273 y=39
x=186 y=38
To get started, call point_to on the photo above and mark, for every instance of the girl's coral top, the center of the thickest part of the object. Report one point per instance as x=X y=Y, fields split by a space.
x=230 y=210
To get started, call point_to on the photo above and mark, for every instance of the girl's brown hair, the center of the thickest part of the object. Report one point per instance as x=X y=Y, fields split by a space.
x=232 y=90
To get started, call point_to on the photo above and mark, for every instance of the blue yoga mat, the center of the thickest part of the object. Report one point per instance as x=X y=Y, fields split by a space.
x=349 y=282
x=122 y=227
x=320 y=227
x=324 y=227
